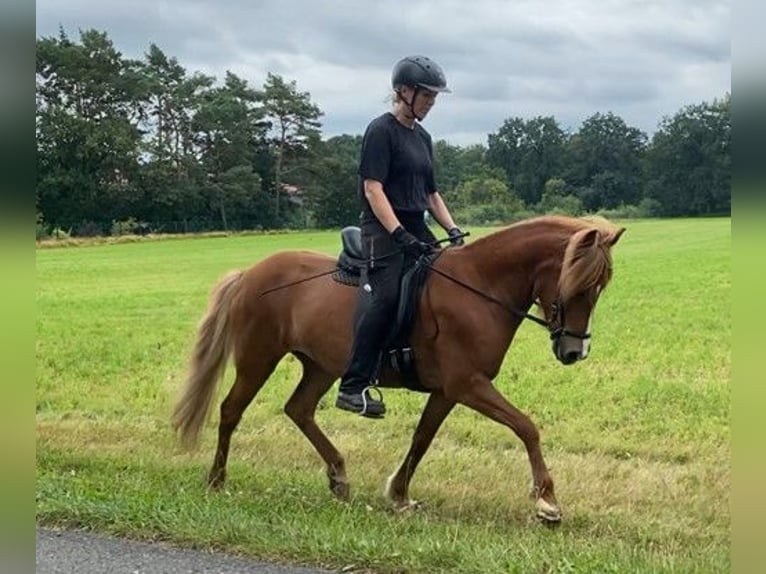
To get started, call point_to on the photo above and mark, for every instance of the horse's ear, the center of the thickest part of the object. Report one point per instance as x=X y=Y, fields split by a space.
x=614 y=237
x=589 y=239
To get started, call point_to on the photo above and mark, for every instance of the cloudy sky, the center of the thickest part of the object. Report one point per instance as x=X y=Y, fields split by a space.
x=640 y=59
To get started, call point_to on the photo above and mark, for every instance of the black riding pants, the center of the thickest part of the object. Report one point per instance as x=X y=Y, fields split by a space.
x=378 y=299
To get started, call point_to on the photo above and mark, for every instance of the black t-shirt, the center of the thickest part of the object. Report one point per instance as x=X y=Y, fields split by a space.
x=401 y=158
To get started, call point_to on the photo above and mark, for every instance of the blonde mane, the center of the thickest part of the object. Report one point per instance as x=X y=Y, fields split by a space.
x=588 y=263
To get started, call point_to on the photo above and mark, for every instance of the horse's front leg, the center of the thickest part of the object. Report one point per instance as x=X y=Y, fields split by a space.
x=397 y=488
x=483 y=397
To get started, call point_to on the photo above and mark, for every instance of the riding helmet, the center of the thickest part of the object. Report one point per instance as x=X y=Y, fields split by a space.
x=419 y=72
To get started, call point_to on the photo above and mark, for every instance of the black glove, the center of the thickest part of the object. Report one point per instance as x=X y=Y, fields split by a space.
x=408 y=243
x=456 y=236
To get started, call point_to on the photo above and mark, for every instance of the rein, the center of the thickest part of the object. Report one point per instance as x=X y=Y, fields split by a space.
x=508 y=308
x=304 y=280
x=334 y=269
x=554 y=327
x=558 y=311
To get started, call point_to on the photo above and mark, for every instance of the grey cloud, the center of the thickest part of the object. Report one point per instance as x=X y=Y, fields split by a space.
x=641 y=59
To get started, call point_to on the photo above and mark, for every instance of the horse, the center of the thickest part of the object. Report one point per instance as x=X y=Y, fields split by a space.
x=473 y=301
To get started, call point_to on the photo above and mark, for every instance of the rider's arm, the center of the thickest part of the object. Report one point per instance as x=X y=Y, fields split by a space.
x=439 y=210
x=381 y=207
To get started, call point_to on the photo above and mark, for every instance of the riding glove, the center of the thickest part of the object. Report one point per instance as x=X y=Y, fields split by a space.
x=408 y=243
x=456 y=236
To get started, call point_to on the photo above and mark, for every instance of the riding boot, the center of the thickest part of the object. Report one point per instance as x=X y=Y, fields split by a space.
x=362 y=370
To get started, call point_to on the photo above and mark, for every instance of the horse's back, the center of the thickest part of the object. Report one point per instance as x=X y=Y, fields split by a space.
x=284 y=267
x=292 y=296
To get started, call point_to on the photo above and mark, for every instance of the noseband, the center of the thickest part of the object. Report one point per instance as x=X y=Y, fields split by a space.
x=556 y=324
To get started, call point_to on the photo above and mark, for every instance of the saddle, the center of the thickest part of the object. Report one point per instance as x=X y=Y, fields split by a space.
x=398 y=352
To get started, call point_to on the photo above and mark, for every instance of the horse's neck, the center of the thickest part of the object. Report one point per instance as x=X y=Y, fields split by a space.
x=511 y=260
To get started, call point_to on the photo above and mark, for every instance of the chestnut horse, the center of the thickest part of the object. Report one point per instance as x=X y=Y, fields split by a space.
x=473 y=301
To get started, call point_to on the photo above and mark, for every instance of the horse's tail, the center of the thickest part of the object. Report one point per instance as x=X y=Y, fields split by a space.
x=208 y=361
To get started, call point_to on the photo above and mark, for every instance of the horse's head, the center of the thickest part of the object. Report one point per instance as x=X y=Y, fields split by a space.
x=569 y=301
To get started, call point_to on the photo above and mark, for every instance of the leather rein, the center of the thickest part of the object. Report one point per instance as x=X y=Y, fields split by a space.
x=555 y=327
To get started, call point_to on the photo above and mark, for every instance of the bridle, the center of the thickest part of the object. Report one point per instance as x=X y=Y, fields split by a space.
x=556 y=325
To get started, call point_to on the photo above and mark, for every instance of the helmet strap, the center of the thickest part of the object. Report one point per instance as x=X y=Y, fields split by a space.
x=411 y=102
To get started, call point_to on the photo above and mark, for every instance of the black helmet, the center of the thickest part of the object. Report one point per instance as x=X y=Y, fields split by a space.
x=419 y=72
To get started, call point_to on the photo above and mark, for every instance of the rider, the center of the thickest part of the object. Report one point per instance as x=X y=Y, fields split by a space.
x=396 y=187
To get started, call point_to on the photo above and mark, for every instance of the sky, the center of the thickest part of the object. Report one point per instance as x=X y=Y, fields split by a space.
x=643 y=60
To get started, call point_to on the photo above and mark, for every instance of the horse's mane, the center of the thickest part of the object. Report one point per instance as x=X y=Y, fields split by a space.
x=584 y=268
x=586 y=262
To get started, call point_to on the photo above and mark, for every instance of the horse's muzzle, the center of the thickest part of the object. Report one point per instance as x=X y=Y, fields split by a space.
x=570 y=357
x=568 y=350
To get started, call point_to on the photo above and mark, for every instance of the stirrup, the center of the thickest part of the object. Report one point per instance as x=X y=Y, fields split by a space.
x=363 y=412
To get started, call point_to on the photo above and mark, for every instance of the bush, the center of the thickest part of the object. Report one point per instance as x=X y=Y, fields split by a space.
x=128 y=227
x=488 y=214
x=561 y=205
x=42 y=230
x=88 y=229
x=555 y=200
x=58 y=233
x=646 y=208
x=650 y=207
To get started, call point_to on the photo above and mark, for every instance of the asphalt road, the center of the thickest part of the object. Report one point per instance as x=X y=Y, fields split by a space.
x=67 y=552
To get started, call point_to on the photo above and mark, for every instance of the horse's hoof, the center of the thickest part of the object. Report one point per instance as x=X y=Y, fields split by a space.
x=340 y=490
x=547 y=512
x=407 y=506
x=215 y=480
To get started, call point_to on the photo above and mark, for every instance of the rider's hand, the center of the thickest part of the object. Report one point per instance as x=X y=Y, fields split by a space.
x=408 y=243
x=456 y=236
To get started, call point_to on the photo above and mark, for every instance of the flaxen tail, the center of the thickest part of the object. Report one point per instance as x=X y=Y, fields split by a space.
x=208 y=361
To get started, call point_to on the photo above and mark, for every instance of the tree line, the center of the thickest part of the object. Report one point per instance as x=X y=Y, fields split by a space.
x=134 y=146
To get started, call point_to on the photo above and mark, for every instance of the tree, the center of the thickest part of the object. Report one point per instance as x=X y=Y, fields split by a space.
x=530 y=152
x=556 y=200
x=172 y=178
x=454 y=165
x=605 y=159
x=689 y=161
x=486 y=200
x=163 y=75
x=86 y=129
x=233 y=192
x=227 y=126
x=333 y=195
x=294 y=125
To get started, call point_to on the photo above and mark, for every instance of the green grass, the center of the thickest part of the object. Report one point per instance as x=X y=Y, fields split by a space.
x=637 y=436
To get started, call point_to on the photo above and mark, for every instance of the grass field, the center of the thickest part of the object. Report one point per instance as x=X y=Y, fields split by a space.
x=637 y=437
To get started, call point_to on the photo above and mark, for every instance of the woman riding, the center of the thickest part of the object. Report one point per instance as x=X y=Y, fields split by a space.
x=396 y=188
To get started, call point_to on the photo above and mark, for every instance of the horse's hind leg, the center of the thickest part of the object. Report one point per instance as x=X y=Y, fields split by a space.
x=397 y=488
x=252 y=373
x=301 y=408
